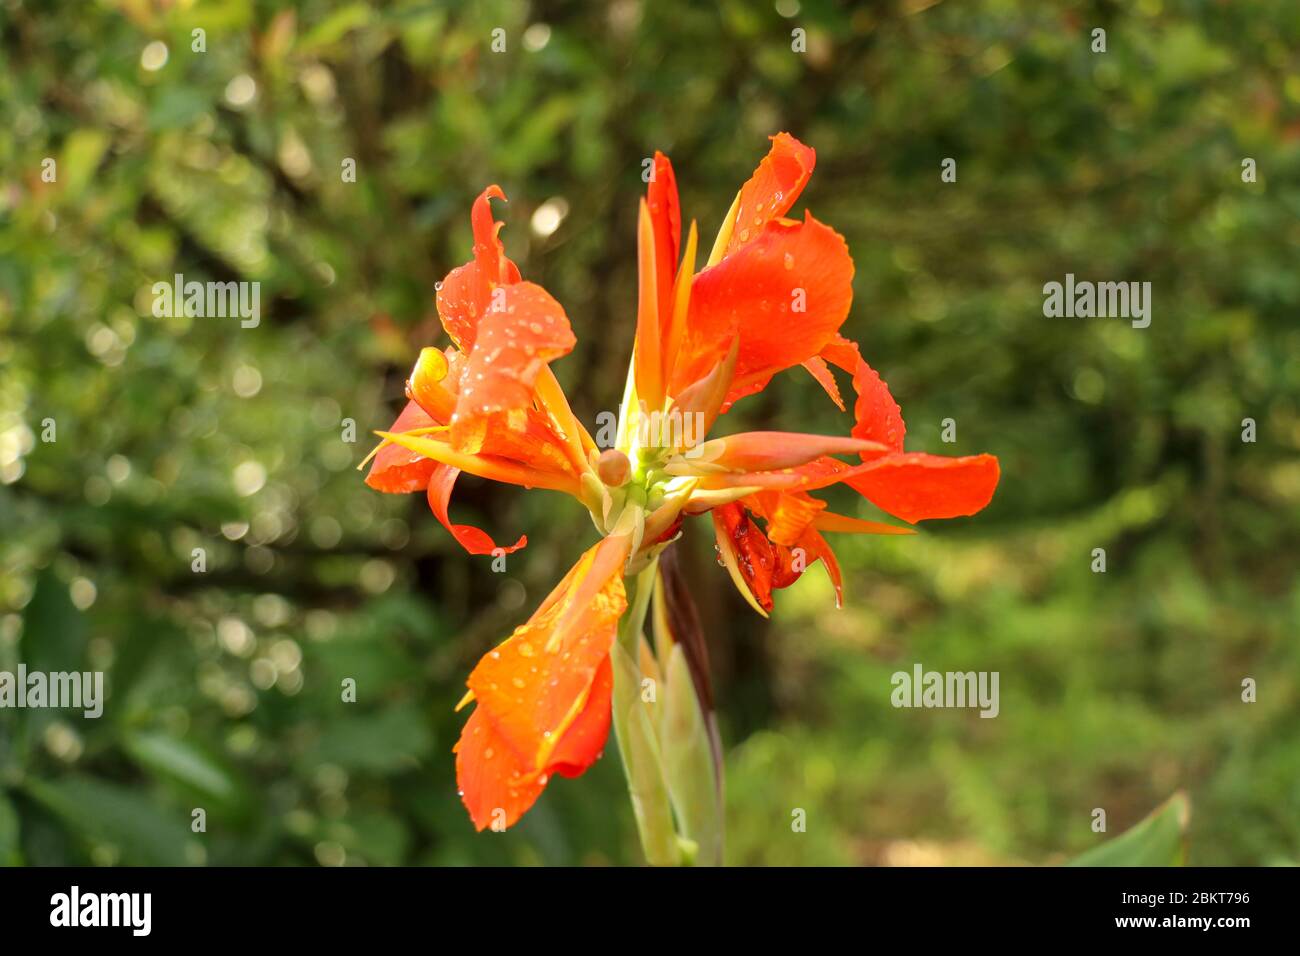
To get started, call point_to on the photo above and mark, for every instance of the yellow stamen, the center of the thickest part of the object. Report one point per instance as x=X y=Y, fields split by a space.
x=556 y=404
x=724 y=234
x=497 y=469
x=385 y=443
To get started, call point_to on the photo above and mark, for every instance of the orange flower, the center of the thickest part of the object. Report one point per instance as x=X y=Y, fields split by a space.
x=772 y=295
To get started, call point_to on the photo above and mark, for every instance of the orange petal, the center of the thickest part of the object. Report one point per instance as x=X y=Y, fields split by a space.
x=705 y=397
x=585 y=739
x=473 y=540
x=764 y=565
x=829 y=521
x=818 y=369
x=522 y=330
x=496 y=785
x=819 y=549
x=674 y=329
x=649 y=322
x=789 y=515
x=428 y=385
x=773 y=189
x=769 y=451
x=666 y=220
x=485 y=466
x=757 y=292
x=745 y=553
x=398 y=469
x=537 y=682
x=876 y=415
x=916 y=486
x=466 y=292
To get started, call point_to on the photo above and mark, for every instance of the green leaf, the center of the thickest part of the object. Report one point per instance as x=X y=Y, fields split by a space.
x=9 y=832
x=101 y=812
x=639 y=748
x=334 y=27
x=688 y=761
x=54 y=631
x=1158 y=840
x=187 y=765
x=82 y=151
x=392 y=740
x=176 y=107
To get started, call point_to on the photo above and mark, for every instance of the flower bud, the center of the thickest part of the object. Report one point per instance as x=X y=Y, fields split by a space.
x=614 y=468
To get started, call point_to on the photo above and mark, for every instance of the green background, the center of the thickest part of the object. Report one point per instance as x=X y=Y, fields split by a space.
x=1117 y=689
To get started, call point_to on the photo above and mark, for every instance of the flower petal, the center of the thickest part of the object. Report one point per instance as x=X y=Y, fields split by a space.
x=428 y=384
x=523 y=330
x=647 y=358
x=536 y=683
x=585 y=739
x=466 y=292
x=746 y=554
x=474 y=540
x=486 y=466
x=496 y=785
x=785 y=294
x=915 y=486
x=770 y=451
x=773 y=189
x=818 y=369
x=876 y=415
x=788 y=515
x=397 y=469
x=666 y=219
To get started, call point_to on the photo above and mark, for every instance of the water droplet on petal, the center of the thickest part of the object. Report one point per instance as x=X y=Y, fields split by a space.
x=789 y=261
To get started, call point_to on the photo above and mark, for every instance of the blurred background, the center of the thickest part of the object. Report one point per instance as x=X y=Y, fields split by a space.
x=173 y=434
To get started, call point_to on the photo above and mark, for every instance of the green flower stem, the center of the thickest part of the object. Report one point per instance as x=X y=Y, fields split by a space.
x=634 y=728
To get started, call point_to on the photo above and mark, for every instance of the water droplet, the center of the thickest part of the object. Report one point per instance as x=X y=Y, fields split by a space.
x=518 y=682
x=789 y=261
x=744 y=235
x=526 y=649
x=489 y=754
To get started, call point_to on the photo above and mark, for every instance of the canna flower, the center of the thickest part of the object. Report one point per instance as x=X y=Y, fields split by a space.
x=772 y=294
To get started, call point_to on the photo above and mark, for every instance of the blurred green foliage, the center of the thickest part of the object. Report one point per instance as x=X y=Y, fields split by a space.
x=176 y=434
